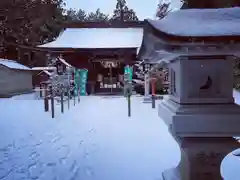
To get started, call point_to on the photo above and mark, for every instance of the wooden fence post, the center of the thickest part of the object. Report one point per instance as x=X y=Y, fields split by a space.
x=52 y=101
x=129 y=105
x=46 y=105
x=153 y=83
x=153 y=101
x=69 y=97
x=62 y=104
x=40 y=90
x=74 y=97
x=78 y=94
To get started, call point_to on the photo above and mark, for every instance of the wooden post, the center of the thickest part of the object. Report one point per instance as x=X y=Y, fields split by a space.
x=110 y=69
x=40 y=90
x=129 y=105
x=52 y=106
x=69 y=98
x=52 y=101
x=78 y=95
x=74 y=98
x=153 y=101
x=153 y=81
x=46 y=105
x=62 y=105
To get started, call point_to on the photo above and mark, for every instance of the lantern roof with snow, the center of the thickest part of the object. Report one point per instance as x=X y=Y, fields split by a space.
x=192 y=32
x=200 y=24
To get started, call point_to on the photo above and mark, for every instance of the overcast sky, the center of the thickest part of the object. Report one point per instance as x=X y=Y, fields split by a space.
x=143 y=8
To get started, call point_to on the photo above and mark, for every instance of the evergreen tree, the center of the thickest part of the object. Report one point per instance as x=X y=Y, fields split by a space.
x=123 y=13
x=32 y=23
x=97 y=16
x=81 y=15
x=73 y=15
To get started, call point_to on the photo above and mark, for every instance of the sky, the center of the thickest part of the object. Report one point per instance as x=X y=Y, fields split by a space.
x=144 y=9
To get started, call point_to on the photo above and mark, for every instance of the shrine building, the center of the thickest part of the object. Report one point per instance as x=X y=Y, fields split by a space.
x=102 y=48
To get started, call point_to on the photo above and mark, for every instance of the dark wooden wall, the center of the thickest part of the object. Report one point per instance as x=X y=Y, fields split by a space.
x=211 y=3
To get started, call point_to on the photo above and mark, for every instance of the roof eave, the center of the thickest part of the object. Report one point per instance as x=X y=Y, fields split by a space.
x=95 y=24
x=184 y=39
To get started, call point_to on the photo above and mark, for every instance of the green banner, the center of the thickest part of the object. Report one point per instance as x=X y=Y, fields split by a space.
x=83 y=81
x=76 y=80
x=80 y=80
x=129 y=70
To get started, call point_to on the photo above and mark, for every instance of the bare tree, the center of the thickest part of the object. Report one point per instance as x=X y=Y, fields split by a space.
x=162 y=9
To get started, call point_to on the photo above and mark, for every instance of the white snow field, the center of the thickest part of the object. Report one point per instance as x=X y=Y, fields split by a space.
x=95 y=140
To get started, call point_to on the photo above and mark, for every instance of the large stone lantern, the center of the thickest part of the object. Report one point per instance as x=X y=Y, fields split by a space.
x=200 y=110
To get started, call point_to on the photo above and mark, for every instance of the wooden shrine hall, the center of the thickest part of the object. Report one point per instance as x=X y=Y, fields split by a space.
x=102 y=48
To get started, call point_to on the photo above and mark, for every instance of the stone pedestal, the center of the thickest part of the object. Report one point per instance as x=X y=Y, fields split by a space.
x=147 y=97
x=201 y=120
x=201 y=158
x=146 y=85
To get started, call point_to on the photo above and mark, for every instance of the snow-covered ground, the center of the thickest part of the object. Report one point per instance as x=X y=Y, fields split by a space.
x=236 y=96
x=95 y=140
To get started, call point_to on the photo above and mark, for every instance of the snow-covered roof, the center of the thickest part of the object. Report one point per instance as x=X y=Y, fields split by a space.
x=64 y=62
x=200 y=22
x=44 y=68
x=47 y=72
x=138 y=81
x=13 y=64
x=87 y=38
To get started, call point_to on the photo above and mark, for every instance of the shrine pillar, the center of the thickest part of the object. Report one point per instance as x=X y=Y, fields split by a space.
x=146 y=85
x=147 y=97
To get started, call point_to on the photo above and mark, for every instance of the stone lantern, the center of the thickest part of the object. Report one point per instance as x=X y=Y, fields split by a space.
x=200 y=110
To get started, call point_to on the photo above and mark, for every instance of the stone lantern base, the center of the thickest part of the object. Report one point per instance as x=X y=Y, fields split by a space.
x=201 y=158
x=206 y=120
x=204 y=134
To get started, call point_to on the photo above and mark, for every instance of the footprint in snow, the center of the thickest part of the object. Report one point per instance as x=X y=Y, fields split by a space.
x=92 y=130
x=89 y=171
